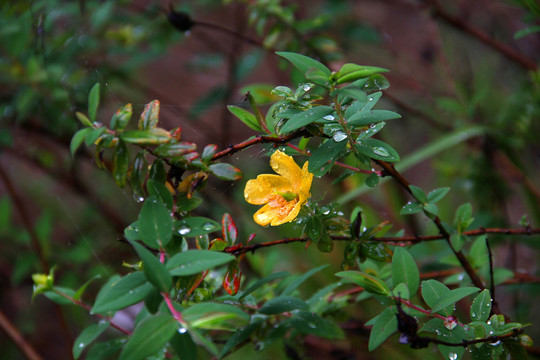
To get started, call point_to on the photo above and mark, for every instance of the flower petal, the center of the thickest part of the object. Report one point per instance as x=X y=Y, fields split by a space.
x=307 y=179
x=285 y=166
x=293 y=213
x=265 y=215
x=257 y=191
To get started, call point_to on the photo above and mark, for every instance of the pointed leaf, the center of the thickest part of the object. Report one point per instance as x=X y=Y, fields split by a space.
x=283 y=304
x=303 y=63
x=453 y=297
x=404 y=270
x=154 y=271
x=384 y=326
x=151 y=335
x=305 y=117
x=437 y=194
x=93 y=102
x=83 y=119
x=481 y=306
x=310 y=323
x=121 y=118
x=231 y=280
x=87 y=336
x=225 y=171
x=120 y=164
x=411 y=208
x=192 y=262
x=150 y=116
x=245 y=116
x=77 y=140
x=370 y=283
x=119 y=293
x=155 y=225
x=153 y=136
x=377 y=149
x=230 y=232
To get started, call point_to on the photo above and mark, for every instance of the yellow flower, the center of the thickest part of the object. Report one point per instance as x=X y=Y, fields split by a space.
x=283 y=194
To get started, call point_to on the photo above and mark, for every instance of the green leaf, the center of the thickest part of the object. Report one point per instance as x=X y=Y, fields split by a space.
x=83 y=119
x=328 y=151
x=283 y=304
x=411 y=208
x=367 y=117
x=175 y=149
x=150 y=116
x=78 y=139
x=377 y=149
x=155 y=224
x=230 y=231
x=154 y=270
x=372 y=130
x=385 y=324
x=208 y=151
x=93 y=102
x=300 y=279
x=431 y=208
x=196 y=225
x=263 y=281
x=225 y=171
x=463 y=218
x=240 y=336
x=456 y=335
x=311 y=323
x=119 y=293
x=121 y=118
x=304 y=64
x=159 y=191
x=120 y=164
x=305 y=117
x=93 y=135
x=481 y=306
x=370 y=283
x=404 y=270
x=433 y=291
x=437 y=194
x=153 y=136
x=479 y=253
x=184 y=346
x=418 y=193
x=352 y=72
x=151 y=335
x=105 y=349
x=78 y=294
x=453 y=297
x=192 y=262
x=245 y=116
x=216 y=316
x=87 y=336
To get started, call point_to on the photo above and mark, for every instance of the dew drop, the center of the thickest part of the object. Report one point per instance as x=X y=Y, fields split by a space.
x=138 y=199
x=306 y=87
x=325 y=210
x=208 y=226
x=495 y=343
x=81 y=345
x=329 y=117
x=340 y=136
x=182 y=330
x=184 y=230
x=370 y=98
x=452 y=356
x=312 y=325
x=381 y=151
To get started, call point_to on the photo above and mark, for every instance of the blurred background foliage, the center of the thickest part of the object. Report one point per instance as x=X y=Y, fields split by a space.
x=463 y=76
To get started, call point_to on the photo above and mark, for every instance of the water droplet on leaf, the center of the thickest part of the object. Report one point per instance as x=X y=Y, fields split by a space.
x=208 y=226
x=381 y=151
x=340 y=136
x=184 y=230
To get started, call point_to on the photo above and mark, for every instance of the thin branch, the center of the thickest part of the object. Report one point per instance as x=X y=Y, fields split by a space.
x=481 y=35
x=259 y=139
x=13 y=333
x=391 y=171
x=394 y=240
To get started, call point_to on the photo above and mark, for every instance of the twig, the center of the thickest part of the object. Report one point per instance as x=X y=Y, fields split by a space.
x=395 y=240
x=502 y=48
x=11 y=331
x=259 y=139
x=391 y=171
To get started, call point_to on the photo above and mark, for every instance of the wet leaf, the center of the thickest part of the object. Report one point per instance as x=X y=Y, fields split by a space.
x=231 y=281
x=150 y=116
